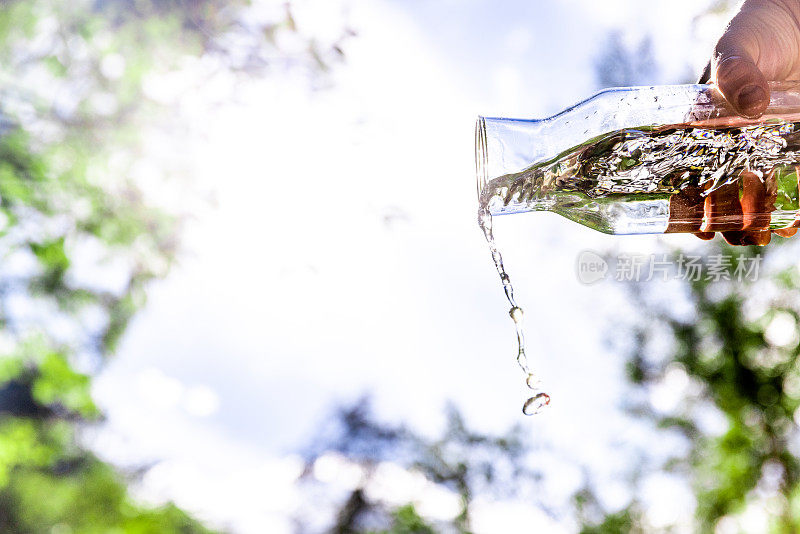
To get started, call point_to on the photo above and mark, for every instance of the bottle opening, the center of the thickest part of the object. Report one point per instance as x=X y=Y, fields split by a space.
x=480 y=155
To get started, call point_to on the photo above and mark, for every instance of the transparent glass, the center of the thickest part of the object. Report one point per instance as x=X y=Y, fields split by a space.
x=648 y=160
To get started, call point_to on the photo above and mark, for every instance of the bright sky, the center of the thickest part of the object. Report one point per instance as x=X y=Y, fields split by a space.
x=344 y=257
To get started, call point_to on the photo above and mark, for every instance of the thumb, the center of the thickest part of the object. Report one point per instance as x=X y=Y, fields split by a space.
x=742 y=84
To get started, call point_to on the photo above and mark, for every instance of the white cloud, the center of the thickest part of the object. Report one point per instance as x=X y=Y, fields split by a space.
x=295 y=294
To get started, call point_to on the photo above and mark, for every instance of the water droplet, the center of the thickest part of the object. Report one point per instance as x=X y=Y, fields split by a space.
x=522 y=360
x=536 y=404
x=516 y=314
x=532 y=382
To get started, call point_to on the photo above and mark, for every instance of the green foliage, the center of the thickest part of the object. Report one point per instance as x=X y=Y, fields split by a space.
x=47 y=481
x=622 y=522
x=72 y=106
x=740 y=351
x=58 y=383
x=738 y=370
x=405 y=520
x=721 y=7
x=20 y=445
x=788 y=197
x=86 y=497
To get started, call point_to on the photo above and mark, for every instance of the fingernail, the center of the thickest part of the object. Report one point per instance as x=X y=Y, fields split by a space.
x=756 y=238
x=735 y=237
x=751 y=100
x=705 y=236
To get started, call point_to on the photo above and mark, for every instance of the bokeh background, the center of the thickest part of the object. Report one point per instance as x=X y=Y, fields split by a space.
x=243 y=288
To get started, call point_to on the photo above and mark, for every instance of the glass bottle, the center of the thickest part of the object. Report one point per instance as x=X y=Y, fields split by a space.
x=648 y=160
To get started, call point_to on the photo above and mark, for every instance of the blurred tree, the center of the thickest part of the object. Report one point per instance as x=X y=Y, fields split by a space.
x=467 y=463
x=620 y=66
x=720 y=7
x=79 y=238
x=48 y=483
x=738 y=349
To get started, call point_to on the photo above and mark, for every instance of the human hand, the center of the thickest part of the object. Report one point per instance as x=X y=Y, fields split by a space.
x=762 y=42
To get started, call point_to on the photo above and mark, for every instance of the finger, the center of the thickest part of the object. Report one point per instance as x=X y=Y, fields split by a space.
x=705 y=236
x=686 y=210
x=755 y=213
x=742 y=84
x=723 y=212
x=786 y=232
x=753 y=237
x=759 y=238
x=756 y=207
x=739 y=79
x=706 y=76
x=735 y=237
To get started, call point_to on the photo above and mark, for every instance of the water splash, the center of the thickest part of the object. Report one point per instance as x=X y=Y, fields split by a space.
x=652 y=161
x=536 y=404
x=540 y=399
x=601 y=184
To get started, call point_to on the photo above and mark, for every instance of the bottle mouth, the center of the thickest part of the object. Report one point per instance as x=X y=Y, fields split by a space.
x=480 y=156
